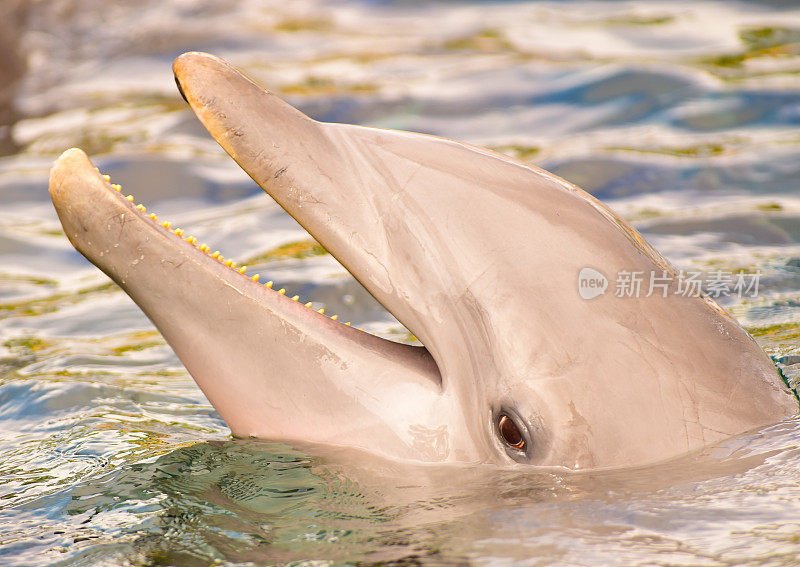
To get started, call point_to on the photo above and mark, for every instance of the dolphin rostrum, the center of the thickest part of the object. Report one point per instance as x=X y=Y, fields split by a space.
x=477 y=254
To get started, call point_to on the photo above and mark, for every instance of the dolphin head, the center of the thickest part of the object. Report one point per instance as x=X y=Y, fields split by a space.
x=477 y=254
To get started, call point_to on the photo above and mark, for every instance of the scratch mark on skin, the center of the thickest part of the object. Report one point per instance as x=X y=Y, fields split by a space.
x=474 y=279
x=121 y=224
x=257 y=155
x=175 y=266
x=410 y=179
x=234 y=288
x=280 y=172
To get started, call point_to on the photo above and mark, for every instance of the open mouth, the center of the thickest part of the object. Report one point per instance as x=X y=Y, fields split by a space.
x=203 y=248
x=176 y=245
x=254 y=350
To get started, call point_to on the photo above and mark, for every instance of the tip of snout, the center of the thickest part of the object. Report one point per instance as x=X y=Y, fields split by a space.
x=193 y=58
x=190 y=59
x=195 y=64
x=70 y=166
x=182 y=66
x=72 y=156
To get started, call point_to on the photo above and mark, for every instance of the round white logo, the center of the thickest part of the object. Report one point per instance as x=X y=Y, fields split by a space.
x=591 y=283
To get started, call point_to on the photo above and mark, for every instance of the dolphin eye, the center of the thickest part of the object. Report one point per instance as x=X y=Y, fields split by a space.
x=510 y=432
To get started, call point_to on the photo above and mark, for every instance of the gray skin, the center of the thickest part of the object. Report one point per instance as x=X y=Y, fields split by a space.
x=475 y=253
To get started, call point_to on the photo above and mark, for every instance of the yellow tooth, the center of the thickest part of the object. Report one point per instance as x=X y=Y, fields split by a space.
x=295 y=298
x=321 y=311
x=153 y=216
x=204 y=248
x=215 y=254
x=97 y=169
x=242 y=269
x=178 y=231
x=228 y=262
x=282 y=291
x=191 y=240
x=116 y=187
x=107 y=177
x=361 y=329
x=130 y=198
x=255 y=277
x=268 y=284
x=308 y=304
x=141 y=208
x=166 y=224
x=334 y=317
x=348 y=323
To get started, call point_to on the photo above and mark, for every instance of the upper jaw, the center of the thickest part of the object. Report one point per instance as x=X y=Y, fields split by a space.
x=361 y=192
x=314 y=173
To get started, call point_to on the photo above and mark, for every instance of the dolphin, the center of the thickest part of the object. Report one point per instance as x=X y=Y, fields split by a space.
x=477 y=254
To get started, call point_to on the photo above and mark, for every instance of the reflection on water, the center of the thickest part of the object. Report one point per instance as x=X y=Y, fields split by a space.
x=683 y=116
x=247 y=501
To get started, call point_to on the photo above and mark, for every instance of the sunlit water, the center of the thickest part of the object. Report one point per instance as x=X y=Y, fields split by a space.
x=682 y=116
